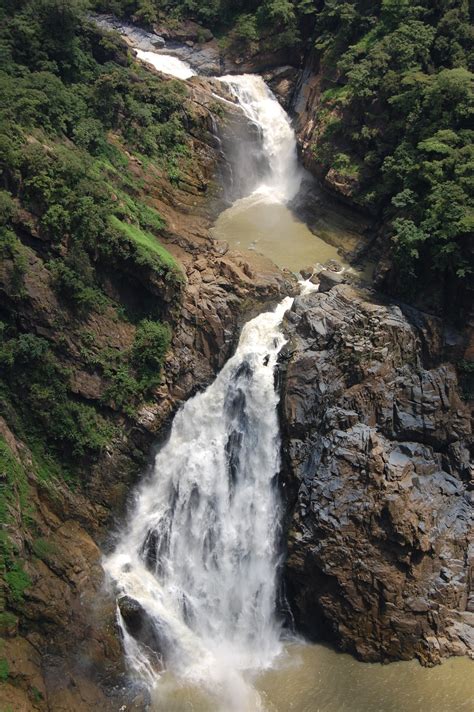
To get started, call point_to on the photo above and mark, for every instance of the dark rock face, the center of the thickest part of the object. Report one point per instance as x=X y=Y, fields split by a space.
x=329 y=279
x=377 y=454
x=282 y=81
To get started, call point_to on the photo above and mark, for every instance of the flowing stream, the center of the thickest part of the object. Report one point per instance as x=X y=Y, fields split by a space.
x=195 y=568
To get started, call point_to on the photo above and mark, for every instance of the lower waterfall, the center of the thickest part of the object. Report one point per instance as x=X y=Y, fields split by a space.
x=197 y=563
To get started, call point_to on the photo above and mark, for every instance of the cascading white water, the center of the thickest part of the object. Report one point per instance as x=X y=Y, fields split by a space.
x=167 y=64
x=283 y=179
x=199 y=556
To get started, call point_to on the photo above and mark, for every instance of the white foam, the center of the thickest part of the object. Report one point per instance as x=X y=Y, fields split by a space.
x=167 y=64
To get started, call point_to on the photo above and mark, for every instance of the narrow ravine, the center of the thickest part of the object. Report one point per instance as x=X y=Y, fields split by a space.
x=195 y=568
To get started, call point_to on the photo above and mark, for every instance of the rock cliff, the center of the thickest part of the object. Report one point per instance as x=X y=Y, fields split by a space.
x=376 y=446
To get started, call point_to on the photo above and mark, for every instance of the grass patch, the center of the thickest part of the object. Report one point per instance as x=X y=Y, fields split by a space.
x=145 y=240
x=17 y=581
x=43 y=549
x=4 y=670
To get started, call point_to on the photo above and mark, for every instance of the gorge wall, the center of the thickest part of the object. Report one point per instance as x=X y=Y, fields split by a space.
x=377 y=450
x=376 y=441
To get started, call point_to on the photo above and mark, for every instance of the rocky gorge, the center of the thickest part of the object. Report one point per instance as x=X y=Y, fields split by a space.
x=60 y=639
x=376 y=445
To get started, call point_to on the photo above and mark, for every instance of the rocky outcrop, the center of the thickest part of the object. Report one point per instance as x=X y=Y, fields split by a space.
x=376 y=445
x=196 y=45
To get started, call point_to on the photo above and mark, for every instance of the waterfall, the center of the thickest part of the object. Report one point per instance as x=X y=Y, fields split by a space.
x=195 y=569
x=283 y=176
x=167 y=64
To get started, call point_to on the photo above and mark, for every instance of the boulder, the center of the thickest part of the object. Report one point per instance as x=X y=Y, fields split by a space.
x=329 y=279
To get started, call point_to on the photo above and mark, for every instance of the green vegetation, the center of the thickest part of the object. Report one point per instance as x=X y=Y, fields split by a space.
x=4 y=670
x=152 y=340
x=7 y=620
x=17 y=581
x=42 y=548
x=77 y=118
x=148 y=242
x=37 y=386
x=75 y=226
x=275 y=23
x=402 y=95
x=14 y=491
x=133 y=374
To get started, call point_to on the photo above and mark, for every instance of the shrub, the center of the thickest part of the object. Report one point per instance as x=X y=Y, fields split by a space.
x=17 y=581
x=152 y=341
x=83 y=298
x=4 y=670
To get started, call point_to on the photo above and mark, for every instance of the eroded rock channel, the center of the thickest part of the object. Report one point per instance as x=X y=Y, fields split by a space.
x=353 y=489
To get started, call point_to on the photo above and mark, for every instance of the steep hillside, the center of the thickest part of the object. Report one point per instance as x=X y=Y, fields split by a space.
x=115 y=306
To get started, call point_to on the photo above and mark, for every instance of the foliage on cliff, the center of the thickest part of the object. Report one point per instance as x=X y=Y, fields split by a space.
x=397 y=108
x=275 y=23
x=75 y=227
x=88 y=293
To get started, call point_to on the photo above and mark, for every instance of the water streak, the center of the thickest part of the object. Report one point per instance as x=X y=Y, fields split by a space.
x=167 y=64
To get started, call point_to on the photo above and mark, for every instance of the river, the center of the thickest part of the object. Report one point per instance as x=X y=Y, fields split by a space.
x=195 y=569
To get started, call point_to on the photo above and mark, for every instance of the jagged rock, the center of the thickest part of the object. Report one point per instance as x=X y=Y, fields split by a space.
x=282 y=81
x=333 y=266
x=378 y=543
x=145 y=630
x=328 y=279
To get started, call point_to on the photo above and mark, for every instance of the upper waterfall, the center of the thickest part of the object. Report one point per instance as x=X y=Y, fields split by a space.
x=200 y=552
x=167 y=64
x=283 y=177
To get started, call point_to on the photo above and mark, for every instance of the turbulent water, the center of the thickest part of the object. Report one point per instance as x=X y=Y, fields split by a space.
x=281 y=180
x=262 y=220
x=200 y=553
x=167 y=64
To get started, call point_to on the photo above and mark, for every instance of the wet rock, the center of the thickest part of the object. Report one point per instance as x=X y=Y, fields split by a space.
x=282 y=81
x=328 y=279
x=378 y=545
x=157 y=41
x=333 y=266
x=151 y=633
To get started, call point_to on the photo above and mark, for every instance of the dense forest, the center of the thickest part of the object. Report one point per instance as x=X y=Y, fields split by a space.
x=66 y=190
